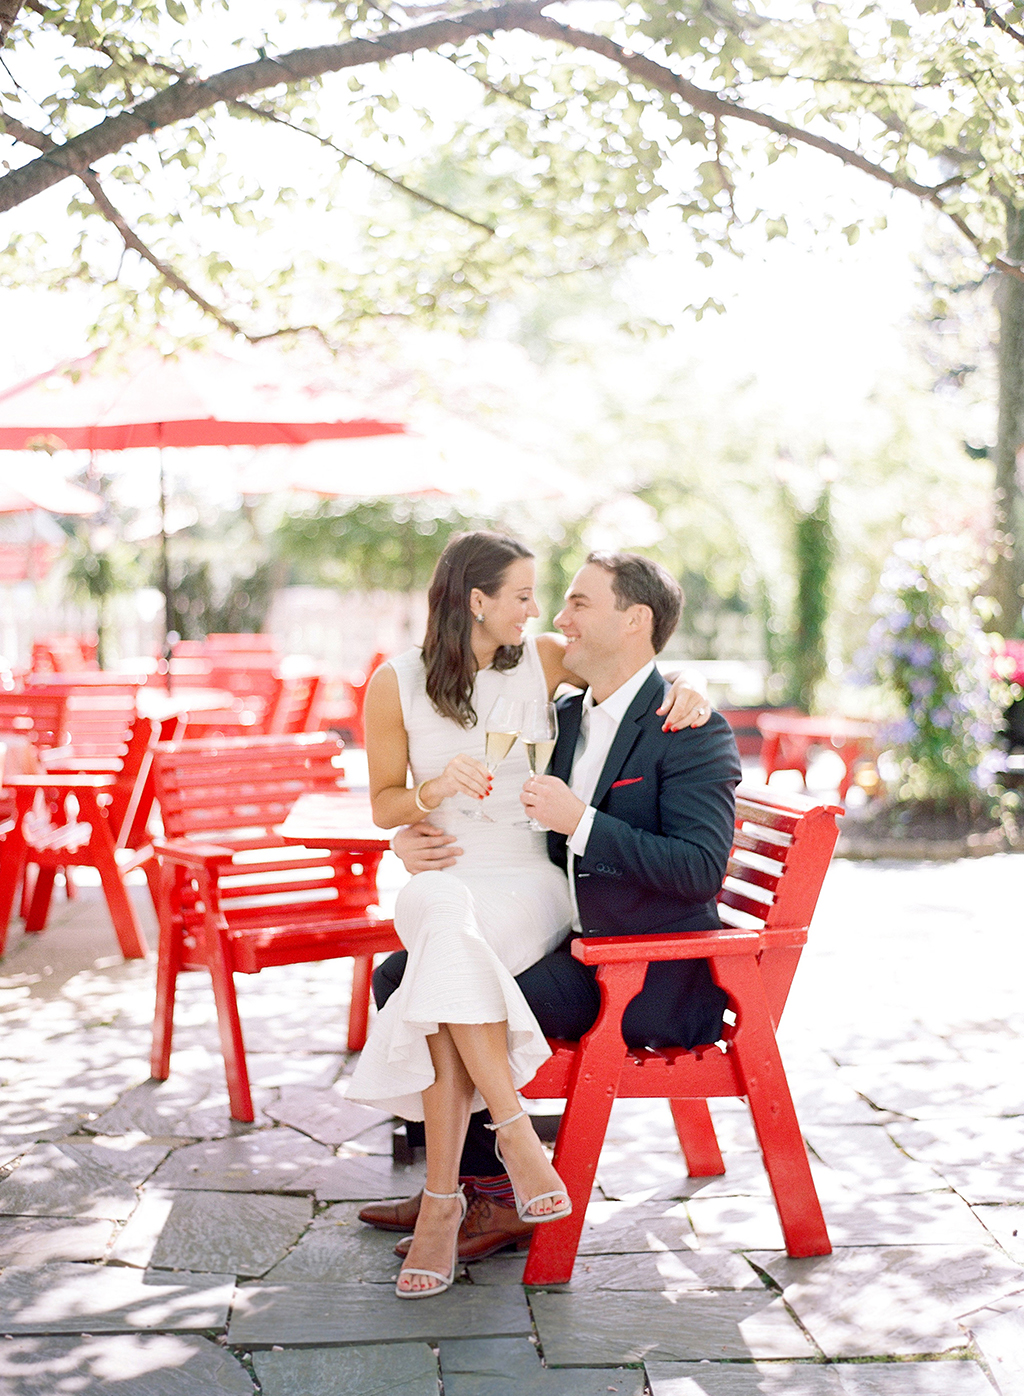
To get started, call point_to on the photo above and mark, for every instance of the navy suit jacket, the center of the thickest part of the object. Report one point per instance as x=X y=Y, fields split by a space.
x=657 y=853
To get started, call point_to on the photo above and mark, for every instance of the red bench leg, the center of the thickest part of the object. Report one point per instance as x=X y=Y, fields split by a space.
x=588 y=1104
x=359 y=1006
x=39 y=905
x=167 y=970
x=697 y=1138
x=771 y=1105
x=229 y=1025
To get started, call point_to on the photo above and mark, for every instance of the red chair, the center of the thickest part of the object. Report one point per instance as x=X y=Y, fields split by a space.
x=100 y=708
x=96 y=820
x=295 y=707
x=743 y=722
x=781 y=852
x=37 y=718
x=63 y=653
x=788 y=739
x=235 y=897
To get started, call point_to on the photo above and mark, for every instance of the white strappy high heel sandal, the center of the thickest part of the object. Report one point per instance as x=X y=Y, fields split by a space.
x=523 y=1208
x=446 y=1281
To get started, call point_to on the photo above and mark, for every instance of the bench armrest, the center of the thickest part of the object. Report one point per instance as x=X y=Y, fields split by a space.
x=192 y=855
x=59 y=782
x=693 y=945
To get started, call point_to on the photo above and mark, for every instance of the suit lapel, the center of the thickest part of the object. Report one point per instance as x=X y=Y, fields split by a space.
x=570 y=712
x=628 y=734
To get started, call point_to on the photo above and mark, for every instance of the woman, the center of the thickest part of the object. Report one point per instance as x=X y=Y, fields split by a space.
x=458 y=1033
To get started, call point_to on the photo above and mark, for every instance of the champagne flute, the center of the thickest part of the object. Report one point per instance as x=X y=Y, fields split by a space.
x=502 y=727
x=539 y=734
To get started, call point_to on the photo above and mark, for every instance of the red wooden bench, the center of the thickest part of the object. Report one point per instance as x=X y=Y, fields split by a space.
x=235 y=897
x=37 y=718
x=781 y=851
x=91 y=819
x=788 y=739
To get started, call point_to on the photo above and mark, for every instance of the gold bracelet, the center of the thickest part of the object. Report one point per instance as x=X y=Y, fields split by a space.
x=424 y=809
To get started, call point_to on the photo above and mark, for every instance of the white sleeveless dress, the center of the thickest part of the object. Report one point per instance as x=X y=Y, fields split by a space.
x=472 y=927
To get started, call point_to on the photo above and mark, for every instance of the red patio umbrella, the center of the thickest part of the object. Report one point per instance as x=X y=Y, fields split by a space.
x=192 y=399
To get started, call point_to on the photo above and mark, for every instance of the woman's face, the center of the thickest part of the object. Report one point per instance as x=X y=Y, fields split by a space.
x=512 y=605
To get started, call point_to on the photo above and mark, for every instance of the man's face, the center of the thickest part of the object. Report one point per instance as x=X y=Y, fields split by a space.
x=595 y=630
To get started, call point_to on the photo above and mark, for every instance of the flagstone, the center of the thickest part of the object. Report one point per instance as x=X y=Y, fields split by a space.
x=742 y=1379
x=982 y=1158
x=59 y=1181
x=928 y=1092
x=366 y=1179
x=110 y=1299
x=667 y=1271
x=269 y=1160
x=29 y=1241
x=339 y=1248
x=406 y=1368
x=866 y=1158
x=310 y=1314
x=625 y=1173
x=1006 y=1223
x=512 y=1367
x=157 y=1364
x=212 y=1232
x=932 y=1218
x=962 y=1378
x=324 y=1114
x=594 y=1327
x=998 y=1333
x=890 y=1300
x=618 y=1228
x=186 y=1106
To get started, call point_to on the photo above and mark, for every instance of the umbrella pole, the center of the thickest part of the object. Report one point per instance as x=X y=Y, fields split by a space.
x=165 y=570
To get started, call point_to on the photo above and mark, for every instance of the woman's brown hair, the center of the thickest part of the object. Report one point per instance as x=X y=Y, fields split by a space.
x=470 y=560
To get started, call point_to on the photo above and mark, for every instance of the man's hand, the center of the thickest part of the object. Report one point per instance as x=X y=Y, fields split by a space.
x=686 y=703
x=424 y=848
x=551 y=802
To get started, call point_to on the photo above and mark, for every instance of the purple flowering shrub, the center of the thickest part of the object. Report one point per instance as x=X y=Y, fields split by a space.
x=929 y=652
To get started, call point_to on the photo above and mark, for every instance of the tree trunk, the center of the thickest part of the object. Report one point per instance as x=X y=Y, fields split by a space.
x=1007 y=578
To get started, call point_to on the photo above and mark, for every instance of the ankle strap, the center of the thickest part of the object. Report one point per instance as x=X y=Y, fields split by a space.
x=510 y=1121
x=457 y=1193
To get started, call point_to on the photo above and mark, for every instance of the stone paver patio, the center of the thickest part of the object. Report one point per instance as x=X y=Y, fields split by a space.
x=151 y=1247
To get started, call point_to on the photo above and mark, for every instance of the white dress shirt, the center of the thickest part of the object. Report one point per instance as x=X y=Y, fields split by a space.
x=599 y=723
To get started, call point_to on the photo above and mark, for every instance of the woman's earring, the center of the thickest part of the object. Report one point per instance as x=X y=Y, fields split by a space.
x=480 y=618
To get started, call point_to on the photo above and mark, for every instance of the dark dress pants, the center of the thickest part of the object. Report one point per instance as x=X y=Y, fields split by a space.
x=679 y=1006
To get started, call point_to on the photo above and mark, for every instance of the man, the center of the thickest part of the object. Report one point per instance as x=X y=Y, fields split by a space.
x=642 y=821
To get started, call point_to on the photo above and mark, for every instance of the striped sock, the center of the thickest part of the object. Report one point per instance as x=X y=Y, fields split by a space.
x=498 y=1189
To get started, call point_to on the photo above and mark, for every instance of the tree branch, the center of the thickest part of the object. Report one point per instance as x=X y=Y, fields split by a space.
x=129 y=236
x=654 y=75
x=8 y=14
x=366 y=164
x=188 y=97
x=992 y=16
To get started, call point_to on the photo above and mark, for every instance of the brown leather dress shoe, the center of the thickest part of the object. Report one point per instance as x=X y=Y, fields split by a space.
x=392 y=1216
x=488 y=1228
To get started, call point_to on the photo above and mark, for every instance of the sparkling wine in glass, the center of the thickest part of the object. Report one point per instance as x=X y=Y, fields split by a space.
x=539 y=734
x=502 y=727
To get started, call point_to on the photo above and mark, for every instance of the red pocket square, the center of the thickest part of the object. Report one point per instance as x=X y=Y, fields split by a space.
x=634 y=781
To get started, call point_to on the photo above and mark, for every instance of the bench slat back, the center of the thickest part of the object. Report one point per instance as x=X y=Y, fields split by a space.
x=233 y=793
x=240 y=783
x=781 y=851
x=39 y=718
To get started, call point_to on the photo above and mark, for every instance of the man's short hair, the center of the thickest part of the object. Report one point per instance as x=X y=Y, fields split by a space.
x=638 y=581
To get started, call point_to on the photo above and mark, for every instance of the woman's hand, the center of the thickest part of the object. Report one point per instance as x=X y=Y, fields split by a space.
x=686 y=705
x=464 y=775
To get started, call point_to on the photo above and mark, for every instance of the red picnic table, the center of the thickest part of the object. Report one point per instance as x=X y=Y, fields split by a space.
x=789 y=737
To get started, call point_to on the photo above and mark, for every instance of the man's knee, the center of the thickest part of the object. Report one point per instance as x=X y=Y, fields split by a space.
x=388 y=976
x=562 y=993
